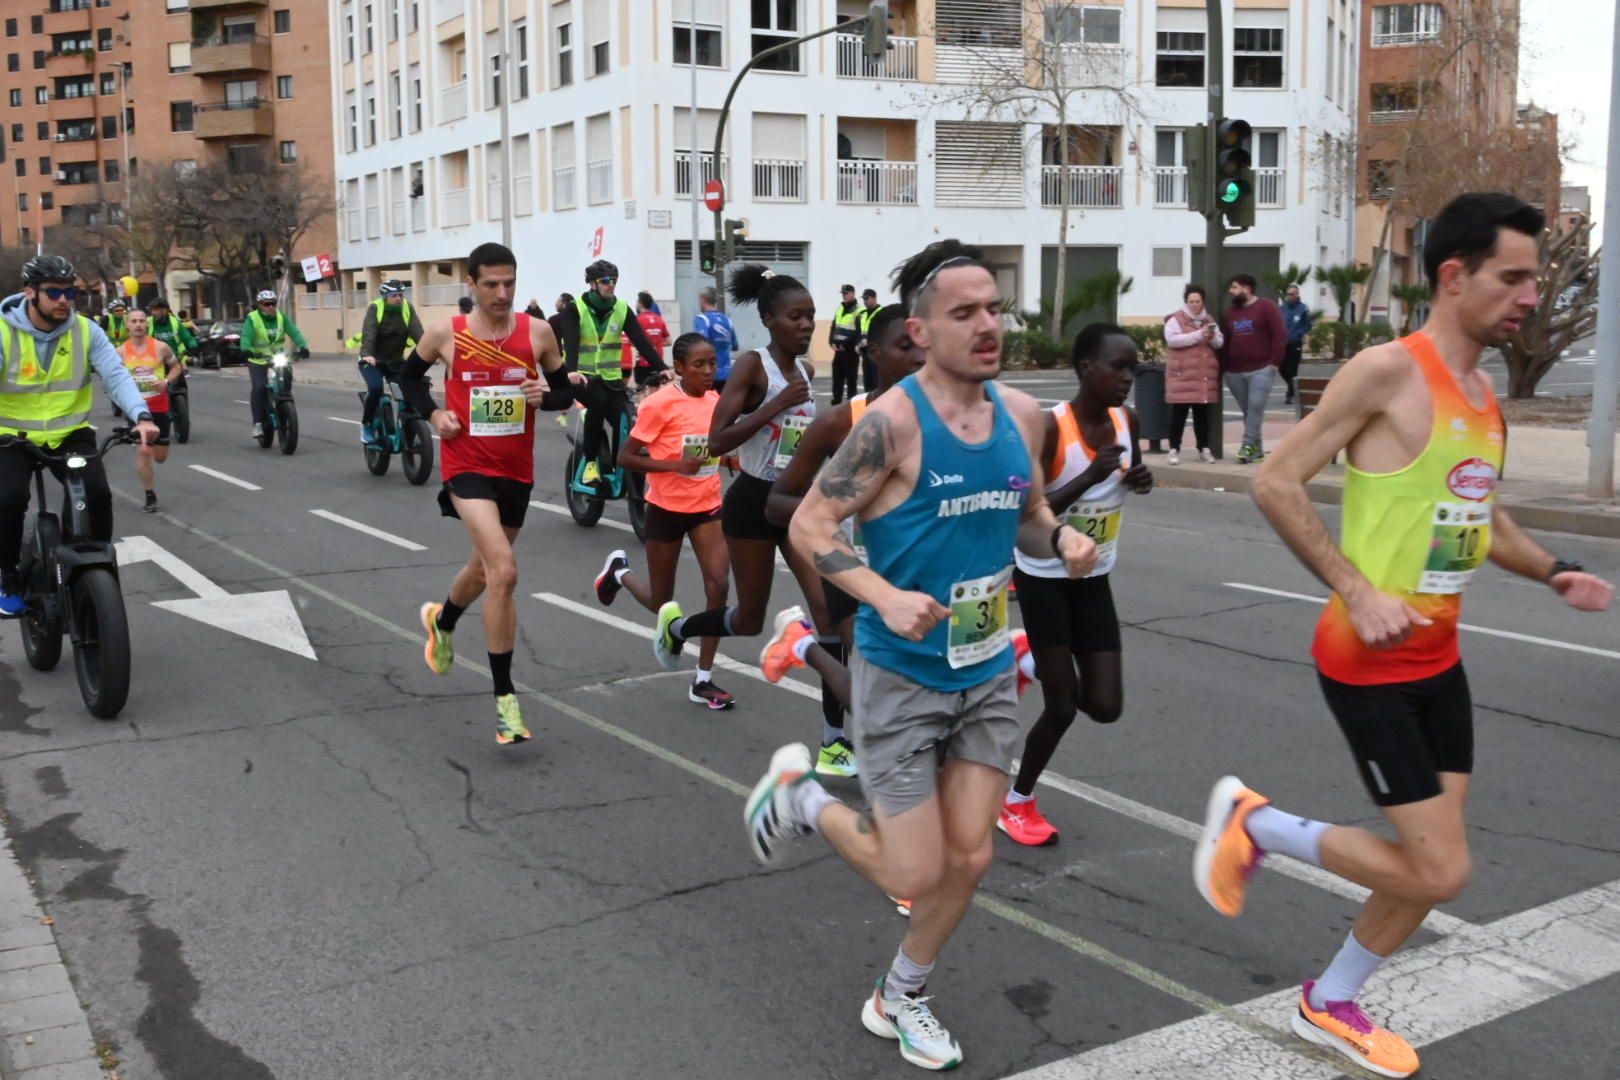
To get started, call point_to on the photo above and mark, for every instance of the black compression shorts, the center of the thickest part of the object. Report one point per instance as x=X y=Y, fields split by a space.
x=1068 y=613
x=510 y=496
x=1404 y=735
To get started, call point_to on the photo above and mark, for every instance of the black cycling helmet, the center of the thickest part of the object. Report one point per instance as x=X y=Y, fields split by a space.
x=43 y=268
x=601 y=268
x=393 y=287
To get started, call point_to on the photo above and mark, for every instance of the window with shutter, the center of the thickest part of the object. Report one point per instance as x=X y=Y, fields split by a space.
x=978 y=164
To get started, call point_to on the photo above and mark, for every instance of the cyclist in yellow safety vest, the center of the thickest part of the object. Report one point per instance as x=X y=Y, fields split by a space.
x=390 y=331
x=592 y=334
x=113 y=323
x=264 y=332
x=47 y=351
x=172 y=330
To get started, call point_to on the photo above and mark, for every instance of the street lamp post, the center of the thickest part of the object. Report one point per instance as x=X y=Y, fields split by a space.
x=123 y=126
x=1606 y=378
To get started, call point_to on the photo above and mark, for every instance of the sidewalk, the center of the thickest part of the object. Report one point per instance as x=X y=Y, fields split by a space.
x=1544 y=482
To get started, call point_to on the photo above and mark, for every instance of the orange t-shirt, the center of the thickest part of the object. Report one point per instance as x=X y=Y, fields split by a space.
x=673 y=425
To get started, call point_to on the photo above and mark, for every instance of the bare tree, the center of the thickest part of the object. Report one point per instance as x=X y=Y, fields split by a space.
x=1567 y=312
x=11 y=264
x=160 y=211
x=1066 y=77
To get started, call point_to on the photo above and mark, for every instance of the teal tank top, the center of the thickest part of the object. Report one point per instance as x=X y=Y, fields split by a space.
x=953 y=539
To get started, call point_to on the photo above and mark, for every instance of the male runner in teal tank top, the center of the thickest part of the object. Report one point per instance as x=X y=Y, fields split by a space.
x=944 y=475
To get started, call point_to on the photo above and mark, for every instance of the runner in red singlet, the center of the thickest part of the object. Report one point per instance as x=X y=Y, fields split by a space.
x=500 y=366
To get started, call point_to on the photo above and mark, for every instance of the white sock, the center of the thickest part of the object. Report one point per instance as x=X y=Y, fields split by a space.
x=1016 y=799
x=1026 y=664
x=829 y=733
x=1348 y=973
x=703 y=675
x=802 y=647
x=809 y=800
x=1284 y=834
x=618 y=575
x=905 y=976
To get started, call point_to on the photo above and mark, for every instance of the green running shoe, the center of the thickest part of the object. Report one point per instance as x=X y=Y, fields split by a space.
x=438 y=652
x=837 y=758
x=510 y=729
x=666 y=646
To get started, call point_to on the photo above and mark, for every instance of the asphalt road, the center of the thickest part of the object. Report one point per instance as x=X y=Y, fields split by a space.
x=311 y=869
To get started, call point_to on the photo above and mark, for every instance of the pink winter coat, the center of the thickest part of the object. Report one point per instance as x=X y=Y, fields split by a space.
x=1192 y=371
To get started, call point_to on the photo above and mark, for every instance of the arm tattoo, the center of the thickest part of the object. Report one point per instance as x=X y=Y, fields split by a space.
x=864 y=455
x=836 y=561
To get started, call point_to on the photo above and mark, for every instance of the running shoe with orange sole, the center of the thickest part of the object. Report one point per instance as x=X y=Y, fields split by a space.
x=1020 y=643
x=1025 y=823
x=777 y=658
x=438 y=651
x=1342 y=1026
x=1226 y=858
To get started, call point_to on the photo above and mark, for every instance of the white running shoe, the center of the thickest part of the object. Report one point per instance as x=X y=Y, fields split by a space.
x=923 y=1039
x=1206 y=456
x=1173 y=458
x=768 y=814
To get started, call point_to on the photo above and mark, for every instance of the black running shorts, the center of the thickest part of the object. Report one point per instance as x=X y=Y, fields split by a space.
x=510 y=496
x=1404 y=735
x=743 y=513
x=1068 y=613
x=671 y=526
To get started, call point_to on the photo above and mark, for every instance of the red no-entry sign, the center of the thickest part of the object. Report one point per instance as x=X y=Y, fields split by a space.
x=714 y=196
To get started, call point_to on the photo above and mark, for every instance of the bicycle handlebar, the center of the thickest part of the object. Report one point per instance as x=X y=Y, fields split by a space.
x=40 y=454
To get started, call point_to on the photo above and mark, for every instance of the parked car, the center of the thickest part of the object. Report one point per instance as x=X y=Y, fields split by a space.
x=221 y=345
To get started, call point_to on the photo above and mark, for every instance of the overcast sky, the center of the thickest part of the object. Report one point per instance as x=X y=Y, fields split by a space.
x=1565 y=56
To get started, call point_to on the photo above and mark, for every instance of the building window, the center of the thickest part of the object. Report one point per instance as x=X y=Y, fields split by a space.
x=348 y=39
x=109 y=127
x=284 y=86
x=367 y=30
x=773 y=22
x=416 y=97
x=1393 y=101
x=47 y=201
x=36 y=24
x=1257 y=58
x=352 y=130
x=44 y=166
x=1380 y=179
x=11 y=28
x=104 y=39
x=17 y=133
x=492 y=84
x=22 y=166
x=393 y=20
x=243 y=157
x=288 y=152
x=520 y=57
x=109 y=82
x=564 y=64
x=22 y=199
x=1180 y=60
x=1406 y=24
x=15 y=98
x=242 y=93
x=707 y=33
x=112 y=170
x=13 y=61
x=597 y=35
x=132 y=169
x=176 y=5
x=393 y=105
x=371 y=118
x=42 y=131
x=42 y=95
x=1083 y=25
x=181 y=116
x=179 y=57
x=281 y=21
x=416 y=15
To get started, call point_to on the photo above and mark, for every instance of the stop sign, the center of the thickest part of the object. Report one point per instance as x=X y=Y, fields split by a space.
x=714 y=196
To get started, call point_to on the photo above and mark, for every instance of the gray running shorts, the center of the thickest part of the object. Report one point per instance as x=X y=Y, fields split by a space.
x=905 y=732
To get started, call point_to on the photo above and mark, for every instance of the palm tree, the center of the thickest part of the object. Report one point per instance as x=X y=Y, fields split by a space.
x=1412 y=297
x=1341 y=282
x=1279 y=280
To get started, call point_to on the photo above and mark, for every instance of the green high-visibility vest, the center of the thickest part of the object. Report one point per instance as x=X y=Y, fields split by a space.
x=377 y=308
x=43 y=406
x=866 y=317
x=846 y=327
x=271 y=339
x=170 y=331
x=116 y=331
x=600 y=354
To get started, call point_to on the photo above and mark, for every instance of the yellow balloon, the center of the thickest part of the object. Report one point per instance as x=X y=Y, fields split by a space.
x=131 y=285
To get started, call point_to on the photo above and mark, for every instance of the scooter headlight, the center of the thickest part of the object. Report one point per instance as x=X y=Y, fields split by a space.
x=76 y=461
x=279 y=360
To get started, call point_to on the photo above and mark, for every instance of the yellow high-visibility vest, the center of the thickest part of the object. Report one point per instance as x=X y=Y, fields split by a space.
x=43 y=406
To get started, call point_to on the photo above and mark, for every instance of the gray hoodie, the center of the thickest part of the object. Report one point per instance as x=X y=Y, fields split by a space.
x=108 y=364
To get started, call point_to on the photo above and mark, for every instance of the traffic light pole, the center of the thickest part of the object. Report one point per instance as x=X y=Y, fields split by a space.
x=1214 y=219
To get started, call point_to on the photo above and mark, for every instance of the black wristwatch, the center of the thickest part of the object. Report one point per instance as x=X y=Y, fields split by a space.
x=1563 y=566
x=1055 y=533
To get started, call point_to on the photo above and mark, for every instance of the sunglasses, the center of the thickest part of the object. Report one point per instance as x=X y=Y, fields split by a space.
x=267 y=303
x=608 y=280
x=55 y=293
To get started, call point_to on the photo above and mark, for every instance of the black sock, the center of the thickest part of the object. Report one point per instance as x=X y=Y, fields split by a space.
x=832 y=710
x=448 y=616
x=715 y=622
x=500 y=666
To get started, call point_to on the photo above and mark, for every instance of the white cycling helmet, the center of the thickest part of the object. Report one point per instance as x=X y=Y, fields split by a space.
x=264 y=294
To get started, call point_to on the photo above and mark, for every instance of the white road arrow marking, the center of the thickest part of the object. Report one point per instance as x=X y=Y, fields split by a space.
x=266 y=617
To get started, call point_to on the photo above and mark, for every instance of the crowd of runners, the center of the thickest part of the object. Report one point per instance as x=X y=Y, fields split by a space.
x=917 y=517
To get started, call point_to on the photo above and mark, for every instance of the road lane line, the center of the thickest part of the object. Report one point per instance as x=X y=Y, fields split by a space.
x=1432 y=993
x=1551 y=643
x=990 y=904
x=239 y=401
x=356 y=423
x=227 y=477
x=553 y=508
x=362 y=527
x=1438 y=921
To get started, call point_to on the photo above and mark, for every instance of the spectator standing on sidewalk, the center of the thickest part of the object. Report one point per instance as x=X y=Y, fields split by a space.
x=1255 y=342
x=1297 y=318
x=716 y=325
x=657 y=332
x=1192 y=371
x=845 y=337
x=868 y=312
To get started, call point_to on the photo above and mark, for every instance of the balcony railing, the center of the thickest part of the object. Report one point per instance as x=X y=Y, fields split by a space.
x=522 y=196
x=706 y=171
x=1079 y=66
x=453 y=102
x=565 y=188
x=351 y=225
x=1090 y=186
x=1414 y=37
x=877 y=183
x=373 y=222
x=1392 y=116
x=1268 y=188
x=900 y=62
x=233 y=119
x=81 y=135
x=418 y=214
x=221 y=55
x=1170 y=186
x=396 y=218
x=599 y=181
x=778 y=180
x=457 y=207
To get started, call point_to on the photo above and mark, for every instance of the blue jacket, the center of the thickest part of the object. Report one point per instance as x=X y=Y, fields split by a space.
x=717 y=327
x=1297 y=318
x=103 y=357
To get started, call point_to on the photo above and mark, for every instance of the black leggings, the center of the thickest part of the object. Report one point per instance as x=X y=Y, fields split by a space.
x=259 y=397
x=604 y=402
x=16 y=491
x=846 y=369
x=1178 y=421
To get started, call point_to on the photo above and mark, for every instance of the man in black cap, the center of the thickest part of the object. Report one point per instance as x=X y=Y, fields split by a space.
x=845 y=337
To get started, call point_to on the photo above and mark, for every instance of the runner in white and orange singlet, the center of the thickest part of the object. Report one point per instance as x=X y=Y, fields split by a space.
x=154 y=367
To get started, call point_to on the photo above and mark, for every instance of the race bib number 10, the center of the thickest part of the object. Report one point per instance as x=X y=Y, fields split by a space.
x=979 y=628
x=1458 y=544
x=497 y=410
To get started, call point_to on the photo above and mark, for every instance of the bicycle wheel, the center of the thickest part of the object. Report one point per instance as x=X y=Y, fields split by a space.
x=416 y=460
x=378 y=455
x=41 y=622
x=585 y=509
x=180 y=405
x=287 y=425
x=635 y=497
x=101 y=654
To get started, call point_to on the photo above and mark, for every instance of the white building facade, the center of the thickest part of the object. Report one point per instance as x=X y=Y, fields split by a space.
x=842 y=166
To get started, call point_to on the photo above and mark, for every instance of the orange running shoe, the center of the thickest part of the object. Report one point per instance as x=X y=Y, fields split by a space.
x=902 y=906
x=1025 y=823
x=1020 y=642
x=778 y=658
x=1226 y=857
x=1342 y=1026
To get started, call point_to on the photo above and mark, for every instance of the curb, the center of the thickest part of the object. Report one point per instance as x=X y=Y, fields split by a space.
x=1596 y=521
x=44 y=1033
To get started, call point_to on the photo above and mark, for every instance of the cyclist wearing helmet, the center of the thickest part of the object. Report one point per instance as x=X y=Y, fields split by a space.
x=172 y=330
x=390 y=330
x=263 y=332
x=591 y=333
x=47 y=351
x=113 y=323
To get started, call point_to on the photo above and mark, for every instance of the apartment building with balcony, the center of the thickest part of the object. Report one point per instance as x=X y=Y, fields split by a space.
x=94 y=99
x=1429 y=70
x=842 y=165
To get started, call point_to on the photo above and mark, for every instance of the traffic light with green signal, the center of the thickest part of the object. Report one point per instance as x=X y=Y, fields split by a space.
x=1233 y=176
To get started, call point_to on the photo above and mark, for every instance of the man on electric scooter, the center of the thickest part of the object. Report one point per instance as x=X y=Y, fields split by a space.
x=592 y=331
x=391 y=329
x=47 y=351
x=264 y=331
